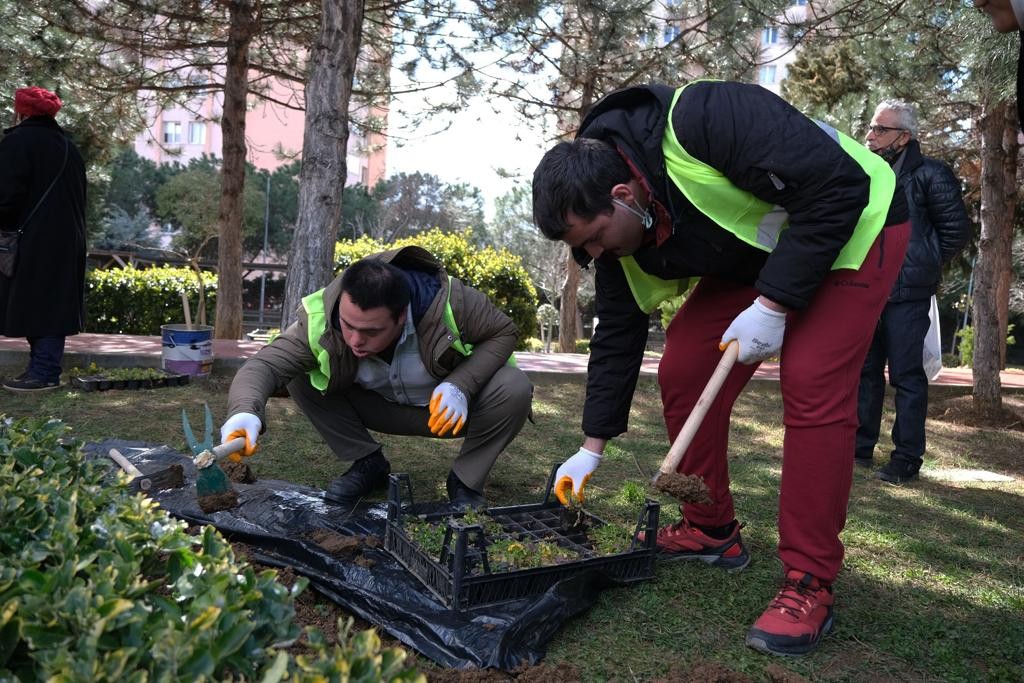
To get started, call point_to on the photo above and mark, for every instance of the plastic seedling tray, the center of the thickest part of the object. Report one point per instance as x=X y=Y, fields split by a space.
x=464 y=575
x=105 y=383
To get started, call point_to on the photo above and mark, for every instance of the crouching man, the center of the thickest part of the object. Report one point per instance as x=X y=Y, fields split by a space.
x=394 y=345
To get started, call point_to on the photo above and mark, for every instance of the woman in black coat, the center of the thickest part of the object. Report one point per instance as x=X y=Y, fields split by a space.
x=42 y=193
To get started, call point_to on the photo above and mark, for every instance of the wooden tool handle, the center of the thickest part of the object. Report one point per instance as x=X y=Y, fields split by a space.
x=229 y=447
x=131 y=469
x=700 y=409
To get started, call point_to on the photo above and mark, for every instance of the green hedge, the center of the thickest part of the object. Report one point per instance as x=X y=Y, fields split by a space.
x=99 y=584
x=139 y=300
x=498 y=274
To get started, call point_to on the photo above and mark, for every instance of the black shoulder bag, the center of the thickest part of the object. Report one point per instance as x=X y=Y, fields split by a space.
x=9 y=238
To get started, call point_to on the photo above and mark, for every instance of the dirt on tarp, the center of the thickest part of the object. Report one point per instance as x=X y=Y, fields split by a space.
x=685 y=488
x=215 y=502
x=339 y=545
x=238 y=472
x=961 y=410
x=541 y=673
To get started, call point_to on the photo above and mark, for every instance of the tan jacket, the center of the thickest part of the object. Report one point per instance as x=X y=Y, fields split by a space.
x=491 y=332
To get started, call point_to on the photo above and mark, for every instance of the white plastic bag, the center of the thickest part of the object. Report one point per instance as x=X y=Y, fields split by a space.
x=933 y=343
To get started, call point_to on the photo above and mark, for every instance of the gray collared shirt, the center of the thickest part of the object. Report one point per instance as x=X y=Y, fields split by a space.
x=405 y=379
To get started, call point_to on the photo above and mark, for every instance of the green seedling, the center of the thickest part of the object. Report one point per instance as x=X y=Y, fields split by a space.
x=610 y=539
x=429 y=536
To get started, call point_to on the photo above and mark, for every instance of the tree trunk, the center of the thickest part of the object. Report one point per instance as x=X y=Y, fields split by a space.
x=992 y=272
x=228 y=324
x=1011 y=147
x=567 y=307
x=325 y=139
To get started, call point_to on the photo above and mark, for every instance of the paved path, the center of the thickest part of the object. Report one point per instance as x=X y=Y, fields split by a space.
x=123 y=350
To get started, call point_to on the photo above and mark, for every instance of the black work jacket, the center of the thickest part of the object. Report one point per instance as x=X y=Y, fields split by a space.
x=940 y=226
x=762 y=145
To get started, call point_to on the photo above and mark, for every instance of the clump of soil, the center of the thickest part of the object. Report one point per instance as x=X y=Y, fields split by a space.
x=238 y=472
x=338 y=545
x=779 y=674
x=545 y=673
x=961 y=410
x=686 y=488
x=215 y=502
x=703 y=672
x=571 y=518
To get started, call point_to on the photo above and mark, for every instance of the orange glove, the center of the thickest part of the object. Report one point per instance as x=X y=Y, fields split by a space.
x=448 y=409
x=241 y=424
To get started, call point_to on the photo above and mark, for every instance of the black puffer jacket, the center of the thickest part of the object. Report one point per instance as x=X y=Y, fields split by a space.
x=940 y=224
x=762 y=145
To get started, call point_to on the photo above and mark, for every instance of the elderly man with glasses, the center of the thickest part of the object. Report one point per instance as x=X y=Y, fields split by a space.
x=939 y=230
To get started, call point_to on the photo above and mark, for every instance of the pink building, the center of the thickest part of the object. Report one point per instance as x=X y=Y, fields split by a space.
x=273 y=135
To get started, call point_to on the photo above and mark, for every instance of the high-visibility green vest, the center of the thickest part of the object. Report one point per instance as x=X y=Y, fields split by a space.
x=316 y=325
x=753 y=220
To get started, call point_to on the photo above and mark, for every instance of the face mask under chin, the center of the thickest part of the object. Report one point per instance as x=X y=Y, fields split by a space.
x=889 y=154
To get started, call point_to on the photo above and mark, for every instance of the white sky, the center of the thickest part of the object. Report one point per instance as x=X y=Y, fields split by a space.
x=474 y=147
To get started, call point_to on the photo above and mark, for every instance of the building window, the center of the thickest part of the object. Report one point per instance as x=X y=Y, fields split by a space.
x=172 y=132
x=800 y=3
x=770 y=35
x=768 y=74
x=671 y=33
x=197 y=133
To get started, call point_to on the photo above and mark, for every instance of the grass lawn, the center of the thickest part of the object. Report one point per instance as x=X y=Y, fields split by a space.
x=933 y=583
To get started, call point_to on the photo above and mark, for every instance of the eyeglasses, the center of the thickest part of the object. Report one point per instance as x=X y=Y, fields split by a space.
x=882 y=130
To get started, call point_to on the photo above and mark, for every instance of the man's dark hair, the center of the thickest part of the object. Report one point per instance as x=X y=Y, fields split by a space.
x=575 y=176
x=371 y=284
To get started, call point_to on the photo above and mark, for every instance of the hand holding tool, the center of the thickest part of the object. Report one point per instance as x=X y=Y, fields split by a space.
x=758 y=330
x=245 y=425
x=682 y=441
x=574 y=474
x=213 y=488
x=168 y=478
x=448 y=409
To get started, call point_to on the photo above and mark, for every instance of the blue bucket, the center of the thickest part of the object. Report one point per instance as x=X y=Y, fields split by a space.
x=187 y=350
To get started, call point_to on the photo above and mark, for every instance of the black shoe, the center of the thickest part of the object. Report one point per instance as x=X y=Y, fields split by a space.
x=461 y=496
x=362 y=478
x=897 y=472
x=24 y=384
x=867 y=463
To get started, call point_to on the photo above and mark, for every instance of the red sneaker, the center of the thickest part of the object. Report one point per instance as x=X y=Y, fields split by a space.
x=796 y=620
x=684 y=541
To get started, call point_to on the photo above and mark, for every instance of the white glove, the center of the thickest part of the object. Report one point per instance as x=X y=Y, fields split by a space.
x=241 y=424
x=759 y=331
x=574 y=474
x=448 y=409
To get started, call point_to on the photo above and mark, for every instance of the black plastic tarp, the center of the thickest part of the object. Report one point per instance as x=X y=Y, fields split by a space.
x=274 y=517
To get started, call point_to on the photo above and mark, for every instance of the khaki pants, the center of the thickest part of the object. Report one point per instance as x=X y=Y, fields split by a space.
x=496 y=415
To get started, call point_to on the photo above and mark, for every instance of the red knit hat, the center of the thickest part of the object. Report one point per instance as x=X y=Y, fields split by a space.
x=36 y=101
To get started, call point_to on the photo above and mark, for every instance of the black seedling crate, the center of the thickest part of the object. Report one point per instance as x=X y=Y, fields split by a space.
x=105 y=383
x=462 y=576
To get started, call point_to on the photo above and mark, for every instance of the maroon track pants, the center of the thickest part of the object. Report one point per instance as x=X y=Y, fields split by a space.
x=822 y=354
